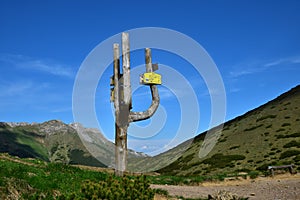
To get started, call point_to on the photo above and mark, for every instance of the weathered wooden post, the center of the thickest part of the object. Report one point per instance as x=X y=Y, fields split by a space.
x=121 y=96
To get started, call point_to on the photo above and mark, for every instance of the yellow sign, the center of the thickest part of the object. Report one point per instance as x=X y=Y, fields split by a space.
x=150 y=78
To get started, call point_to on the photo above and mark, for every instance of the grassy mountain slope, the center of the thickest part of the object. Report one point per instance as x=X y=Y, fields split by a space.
x=267 y=135
x=56 y=141
x=50 y=141
x=22 y=142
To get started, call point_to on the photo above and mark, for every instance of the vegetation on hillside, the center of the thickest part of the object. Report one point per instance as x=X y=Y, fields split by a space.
x=35 y=179
x=267 y=135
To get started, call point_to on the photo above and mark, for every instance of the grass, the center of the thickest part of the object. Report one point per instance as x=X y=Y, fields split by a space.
x=26 y=140
x=24 y=179
x=44 y=180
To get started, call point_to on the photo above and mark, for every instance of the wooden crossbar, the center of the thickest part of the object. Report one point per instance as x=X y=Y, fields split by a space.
x=290 y=167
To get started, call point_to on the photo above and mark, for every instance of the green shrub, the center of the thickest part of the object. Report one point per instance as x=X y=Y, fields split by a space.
x=266 y=133
x=269 y=126
x=297 y=158
x=118 y=189
x=279 y=130
x=220 y=161
x=285 y=124
x=292 y=144
x=187 y=158
x=264 y=167
x=294 y=135
x=253 y=128
x=222 y=140
x=289 y=153
x=253 y=174
x=265 y=117
x=234 y=147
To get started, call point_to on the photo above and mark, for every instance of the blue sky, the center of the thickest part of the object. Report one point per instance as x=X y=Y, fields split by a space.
x=254 y=44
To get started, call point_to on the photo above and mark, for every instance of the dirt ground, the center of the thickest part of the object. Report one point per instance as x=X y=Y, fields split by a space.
x=280 y=187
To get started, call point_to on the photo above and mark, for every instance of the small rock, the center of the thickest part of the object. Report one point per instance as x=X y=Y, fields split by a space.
x=252 y=194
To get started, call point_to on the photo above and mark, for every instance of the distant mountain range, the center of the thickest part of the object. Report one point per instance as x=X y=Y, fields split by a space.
x=267 y=135
x=56 y=141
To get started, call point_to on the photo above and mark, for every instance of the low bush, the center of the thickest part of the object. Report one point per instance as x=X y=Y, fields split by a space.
x=253 y=128
x=264 y=167
x=292 y=144
x=221 y=161
x=294 y=135
x=269 y=126
x=222 y=140
x=266 y=117
x=118 y=189
x=285 y=124
x=289 y=153
x=279 y=130
x=297 y=158
x=234 y=147
x=253 y=174
x=266 y=133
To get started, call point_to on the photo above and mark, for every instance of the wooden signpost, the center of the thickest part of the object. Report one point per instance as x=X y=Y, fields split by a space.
x=122 y=97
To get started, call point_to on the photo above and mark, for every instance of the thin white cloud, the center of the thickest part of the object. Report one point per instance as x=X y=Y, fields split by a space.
x=289 y=60
x=47 y=66
x=15 y=88
x=273 y=63
x=238 y=73
x=60 y=110
x=248 y=68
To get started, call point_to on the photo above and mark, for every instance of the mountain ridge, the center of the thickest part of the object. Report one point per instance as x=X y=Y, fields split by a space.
x=56 y=141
